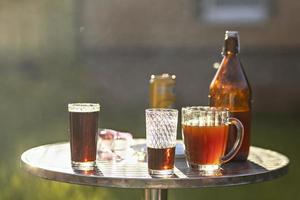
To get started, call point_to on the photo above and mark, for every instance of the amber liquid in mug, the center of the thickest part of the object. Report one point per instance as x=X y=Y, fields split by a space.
x=161 y=159
x=205 y=145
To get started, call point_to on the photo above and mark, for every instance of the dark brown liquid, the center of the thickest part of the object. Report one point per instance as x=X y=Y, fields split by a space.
x=245 y=118
x=205 y=145
x=230 y=88
x=161 y=159
x=83 y=129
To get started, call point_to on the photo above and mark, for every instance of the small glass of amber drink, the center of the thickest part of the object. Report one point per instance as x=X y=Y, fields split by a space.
x=161 y=130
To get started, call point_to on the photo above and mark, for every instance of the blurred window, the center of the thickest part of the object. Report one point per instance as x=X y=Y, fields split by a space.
x=235 y=11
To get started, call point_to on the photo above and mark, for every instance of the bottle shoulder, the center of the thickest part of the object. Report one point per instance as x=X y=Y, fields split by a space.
x=230 y=87
x=231 y=73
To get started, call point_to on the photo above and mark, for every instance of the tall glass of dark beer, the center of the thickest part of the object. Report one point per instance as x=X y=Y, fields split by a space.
x=161 y=130
x=83 y=119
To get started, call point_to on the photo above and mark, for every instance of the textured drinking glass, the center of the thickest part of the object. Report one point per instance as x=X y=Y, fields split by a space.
x=83 y=130
x=161 y=130
x=205 y=133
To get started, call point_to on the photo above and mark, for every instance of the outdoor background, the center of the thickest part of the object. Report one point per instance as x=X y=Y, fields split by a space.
x=53 y=52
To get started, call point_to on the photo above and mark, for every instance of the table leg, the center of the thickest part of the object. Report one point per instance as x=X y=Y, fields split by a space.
x=156 y=194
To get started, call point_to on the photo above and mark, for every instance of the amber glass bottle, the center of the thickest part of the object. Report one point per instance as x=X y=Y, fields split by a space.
x=230 y=88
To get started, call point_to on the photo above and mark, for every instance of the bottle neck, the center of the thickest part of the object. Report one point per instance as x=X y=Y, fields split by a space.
x=231 y=46
x=230 y=54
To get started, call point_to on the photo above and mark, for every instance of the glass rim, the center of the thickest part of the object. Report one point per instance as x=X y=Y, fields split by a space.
x=204 y=109
x=83 y=107
x=163 y=110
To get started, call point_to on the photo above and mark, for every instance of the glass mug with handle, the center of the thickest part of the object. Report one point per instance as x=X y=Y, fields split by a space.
x=205 y=132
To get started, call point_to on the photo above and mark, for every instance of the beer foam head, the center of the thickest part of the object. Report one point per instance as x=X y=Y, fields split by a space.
x=83 y=107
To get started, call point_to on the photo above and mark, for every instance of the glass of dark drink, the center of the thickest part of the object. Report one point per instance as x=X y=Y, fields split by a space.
x=83 y=119
x=205 y=134
x=161 y=130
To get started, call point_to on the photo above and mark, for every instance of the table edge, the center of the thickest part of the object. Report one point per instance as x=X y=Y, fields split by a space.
x=111 y=182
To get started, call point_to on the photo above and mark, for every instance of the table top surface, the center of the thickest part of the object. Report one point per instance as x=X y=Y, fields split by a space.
x=53 y=162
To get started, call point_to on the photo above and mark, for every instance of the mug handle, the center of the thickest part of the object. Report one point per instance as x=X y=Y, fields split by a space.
x=238 y=142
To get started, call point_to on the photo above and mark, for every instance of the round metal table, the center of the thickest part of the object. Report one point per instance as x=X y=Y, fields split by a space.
x=53 y=162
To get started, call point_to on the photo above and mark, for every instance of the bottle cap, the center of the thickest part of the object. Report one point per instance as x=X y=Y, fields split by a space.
x=231 y=34
x=231 y=43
